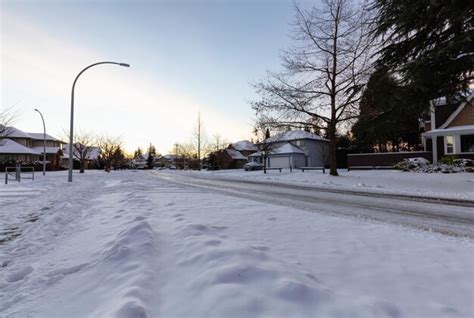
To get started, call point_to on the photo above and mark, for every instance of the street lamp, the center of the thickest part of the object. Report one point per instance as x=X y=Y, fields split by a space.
x=44 y=142
x=71 y=129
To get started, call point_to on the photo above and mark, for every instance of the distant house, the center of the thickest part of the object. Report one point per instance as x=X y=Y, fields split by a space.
x=91 y=159
x=450 y=128
x=294 y=149
x=140 y=162
x=245 y=147
x=170 y=161
x=19 y=146
x=233 y=157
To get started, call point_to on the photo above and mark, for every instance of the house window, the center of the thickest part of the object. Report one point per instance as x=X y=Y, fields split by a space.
x=300 y=143
x=448 y=144
x=467 y=143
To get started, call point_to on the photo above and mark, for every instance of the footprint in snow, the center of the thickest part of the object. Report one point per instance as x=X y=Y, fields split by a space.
x=261 y=248
x=213 y=242
x=272 y=219
x=19 y=275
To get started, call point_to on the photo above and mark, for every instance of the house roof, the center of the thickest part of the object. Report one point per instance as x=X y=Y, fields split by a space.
x=285 y=149
x=13 y=132
x=457 y=111
x=443 y=100
x=8 y=146
x=457 y=129
x=236 y=155
x=40 y=136
x=294 y=135
x=170 y=157
x=244 y=145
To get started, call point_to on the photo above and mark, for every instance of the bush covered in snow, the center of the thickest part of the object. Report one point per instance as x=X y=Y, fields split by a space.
x=446 y=165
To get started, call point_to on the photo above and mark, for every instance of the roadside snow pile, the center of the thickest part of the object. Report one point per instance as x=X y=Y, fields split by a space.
x=423 y=165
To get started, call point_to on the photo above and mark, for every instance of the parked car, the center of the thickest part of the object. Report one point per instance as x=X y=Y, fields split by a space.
x=251 y=166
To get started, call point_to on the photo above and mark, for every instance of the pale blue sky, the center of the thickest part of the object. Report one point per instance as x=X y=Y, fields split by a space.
x=185 y=56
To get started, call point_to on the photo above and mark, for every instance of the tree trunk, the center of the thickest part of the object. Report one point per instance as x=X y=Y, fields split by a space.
x=264 y=164
x=332 y=151
x=82 y=164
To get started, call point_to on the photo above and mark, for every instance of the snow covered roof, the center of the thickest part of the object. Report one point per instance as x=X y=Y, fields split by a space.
x=51 y=150
x=443 y=100
x=457 y=129
x=286 y=148
x=40 y=136
x=170 y=157
x=244 y=145
x=236 y=155
x=8 y=146
x=294 y=135
x=13 y=132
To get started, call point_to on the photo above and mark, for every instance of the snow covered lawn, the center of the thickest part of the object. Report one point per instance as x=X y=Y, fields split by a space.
x=127 y=244
x=437 y=185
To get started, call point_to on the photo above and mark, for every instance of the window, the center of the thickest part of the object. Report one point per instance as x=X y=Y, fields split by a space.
x=300 y=143
x=467 y=143
x=449 y=144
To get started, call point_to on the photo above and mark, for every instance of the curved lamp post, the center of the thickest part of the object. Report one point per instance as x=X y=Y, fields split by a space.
x=44 y=142
x=71 y=129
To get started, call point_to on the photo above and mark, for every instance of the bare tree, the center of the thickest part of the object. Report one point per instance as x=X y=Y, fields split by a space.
x=265 y=147
x=199 y=139
x=84 y=143
x=7 y=117
x=110 y=149
x=323 y=74
x=217 y=143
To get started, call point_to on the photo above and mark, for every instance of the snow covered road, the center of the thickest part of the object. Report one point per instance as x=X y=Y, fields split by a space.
x=131 y=244
x=444 y=217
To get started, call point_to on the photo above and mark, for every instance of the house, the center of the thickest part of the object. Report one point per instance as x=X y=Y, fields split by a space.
x=11 y=152
x=91 y=159
x=17 y=145
x=450 y=128
x=170 y=161
x=233 y=157
x=293 y=149
x=228 y=158
x=140 y=162
x=245 y=147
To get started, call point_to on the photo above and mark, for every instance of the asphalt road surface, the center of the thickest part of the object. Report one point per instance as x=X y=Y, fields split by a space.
x=448 y=217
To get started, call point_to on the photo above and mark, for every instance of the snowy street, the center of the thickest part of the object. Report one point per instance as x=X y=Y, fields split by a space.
x=160 y=244
x=449 y=217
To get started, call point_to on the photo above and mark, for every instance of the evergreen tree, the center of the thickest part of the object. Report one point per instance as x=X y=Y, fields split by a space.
x=137 y=153
x=388 y=115
x=151 y=156
x=429 y=43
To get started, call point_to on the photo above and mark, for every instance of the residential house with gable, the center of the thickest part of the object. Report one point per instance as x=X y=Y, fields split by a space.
x=450 y=128
x=19 y=146
x=294 y=149
x=233 y=157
